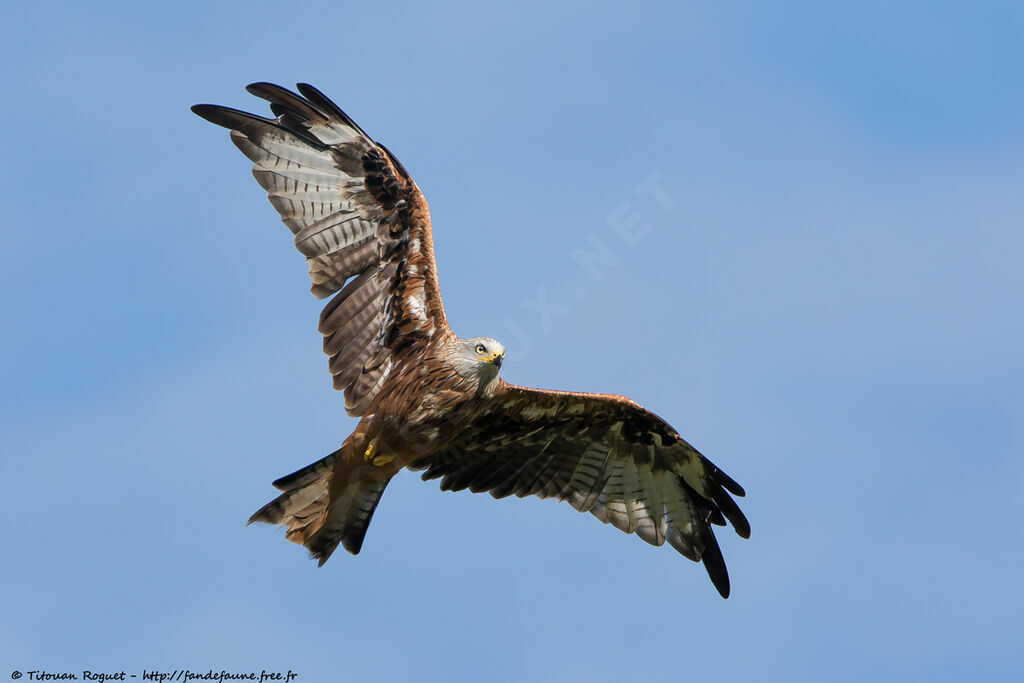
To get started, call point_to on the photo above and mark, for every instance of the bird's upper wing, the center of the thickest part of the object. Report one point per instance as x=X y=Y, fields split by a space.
x=603 y=454
x=355 y=213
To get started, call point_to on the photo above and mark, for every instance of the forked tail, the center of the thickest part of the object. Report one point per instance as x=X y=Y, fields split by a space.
x=327 y=503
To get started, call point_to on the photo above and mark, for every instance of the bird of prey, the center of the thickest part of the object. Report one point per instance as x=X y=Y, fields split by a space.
x=430 y=400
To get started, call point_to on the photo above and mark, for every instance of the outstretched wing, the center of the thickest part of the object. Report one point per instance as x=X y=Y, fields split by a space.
x=603 y=454
x=355 y=213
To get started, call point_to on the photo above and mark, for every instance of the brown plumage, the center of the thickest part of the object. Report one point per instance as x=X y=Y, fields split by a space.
x=427 y=399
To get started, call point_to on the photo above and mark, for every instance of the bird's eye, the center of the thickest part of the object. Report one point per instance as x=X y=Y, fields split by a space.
x=480 y=348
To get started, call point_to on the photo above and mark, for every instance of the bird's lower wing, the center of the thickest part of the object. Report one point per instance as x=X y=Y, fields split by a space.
x=602 y=454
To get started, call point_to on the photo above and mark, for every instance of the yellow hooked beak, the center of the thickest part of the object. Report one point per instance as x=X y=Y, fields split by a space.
x=495 y=358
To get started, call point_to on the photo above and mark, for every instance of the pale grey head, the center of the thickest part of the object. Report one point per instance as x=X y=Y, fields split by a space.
x=477 y=359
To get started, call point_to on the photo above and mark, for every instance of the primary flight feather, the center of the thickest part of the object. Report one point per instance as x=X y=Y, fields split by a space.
x=428 y=399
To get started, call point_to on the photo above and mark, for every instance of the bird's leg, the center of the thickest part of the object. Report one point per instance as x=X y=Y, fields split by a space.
x=374 y=456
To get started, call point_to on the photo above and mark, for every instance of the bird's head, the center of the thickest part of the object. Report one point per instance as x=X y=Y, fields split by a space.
x=478 y=358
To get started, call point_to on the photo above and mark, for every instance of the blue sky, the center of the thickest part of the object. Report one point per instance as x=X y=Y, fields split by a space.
x=826 y=301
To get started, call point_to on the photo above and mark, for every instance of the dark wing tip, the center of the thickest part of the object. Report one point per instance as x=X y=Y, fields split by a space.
x=210 y=112
x=729 y=484
x=260 y=88
x=325 y=103
x=727 y=506
x=233 y=119
x=714 y=564
x=306 y=88
x=284 y=103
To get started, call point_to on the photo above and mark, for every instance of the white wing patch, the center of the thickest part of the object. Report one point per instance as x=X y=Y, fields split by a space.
x=417 y=305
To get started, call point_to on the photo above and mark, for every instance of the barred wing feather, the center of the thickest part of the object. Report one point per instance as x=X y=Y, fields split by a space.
x=603 y=454
x=360 y=221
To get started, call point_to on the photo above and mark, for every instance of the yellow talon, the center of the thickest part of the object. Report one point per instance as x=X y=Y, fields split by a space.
x=373 y=457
